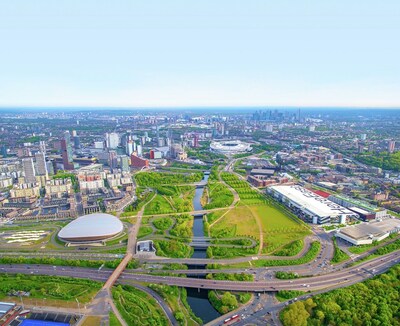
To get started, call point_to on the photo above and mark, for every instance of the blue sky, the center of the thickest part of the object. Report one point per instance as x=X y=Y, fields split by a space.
x=200 y=53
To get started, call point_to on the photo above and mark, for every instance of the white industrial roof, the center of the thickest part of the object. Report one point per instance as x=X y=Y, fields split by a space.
x=364 y=230
x=95 y=225
x=310 y=201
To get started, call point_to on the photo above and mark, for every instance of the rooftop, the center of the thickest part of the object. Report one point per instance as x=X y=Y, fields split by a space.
x=310 y=201
x=375 y=229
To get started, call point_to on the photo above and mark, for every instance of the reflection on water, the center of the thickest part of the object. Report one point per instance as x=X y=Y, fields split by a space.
x=198 y=230
x=198 y=301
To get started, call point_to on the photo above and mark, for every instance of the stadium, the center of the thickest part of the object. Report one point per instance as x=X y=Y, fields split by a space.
x=230 y=147
x=92 y=227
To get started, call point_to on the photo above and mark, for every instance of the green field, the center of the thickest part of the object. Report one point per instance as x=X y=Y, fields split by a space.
x=278 y=228
x=237 y=222
x=171 y=199
x=49 y=287
x=137 y=307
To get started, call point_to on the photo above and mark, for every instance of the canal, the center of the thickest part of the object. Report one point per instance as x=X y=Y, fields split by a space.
x=198 y=298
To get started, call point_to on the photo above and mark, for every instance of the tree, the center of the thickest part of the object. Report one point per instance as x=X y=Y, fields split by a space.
x=229 y=300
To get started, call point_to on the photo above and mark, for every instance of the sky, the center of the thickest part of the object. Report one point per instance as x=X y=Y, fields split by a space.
x=156 y=53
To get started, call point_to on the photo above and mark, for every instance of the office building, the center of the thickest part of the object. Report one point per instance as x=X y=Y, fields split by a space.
x=391 y=146
x=112 y=140
x=29 y=170
x=41 y=167
x=66 y=152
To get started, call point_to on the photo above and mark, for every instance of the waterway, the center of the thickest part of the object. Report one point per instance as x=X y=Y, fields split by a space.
x=198 y=226
x=198 y=298
x=198 y=301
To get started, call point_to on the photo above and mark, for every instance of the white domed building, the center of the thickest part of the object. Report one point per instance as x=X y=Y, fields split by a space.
x=90 y=228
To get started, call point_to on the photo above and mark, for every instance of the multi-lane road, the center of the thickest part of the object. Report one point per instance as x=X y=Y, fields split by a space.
x=345 y=276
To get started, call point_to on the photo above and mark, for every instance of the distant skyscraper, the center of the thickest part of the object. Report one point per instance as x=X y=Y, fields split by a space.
x=196 y=141
x=363 y=136
x=129 y=147
x=29 y=170
x=139 y=150
x=112 y=140
x=66 y=152
x=42 y=146
x=125 y=164
x=41 y=166
x=112 y=159
x=3 y=150
x=391 y=146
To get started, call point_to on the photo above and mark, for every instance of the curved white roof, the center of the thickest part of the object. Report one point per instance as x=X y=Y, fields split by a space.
x=230 y=146
x=91 y=227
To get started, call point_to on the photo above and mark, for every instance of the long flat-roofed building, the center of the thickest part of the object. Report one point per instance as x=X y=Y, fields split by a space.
x=310 y=206
x=366 y=233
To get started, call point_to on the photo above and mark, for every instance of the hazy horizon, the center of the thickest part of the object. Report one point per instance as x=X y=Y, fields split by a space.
x=203 y=54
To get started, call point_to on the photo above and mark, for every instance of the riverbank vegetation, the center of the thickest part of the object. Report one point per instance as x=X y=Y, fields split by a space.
x=176 y=299
x=219 y=196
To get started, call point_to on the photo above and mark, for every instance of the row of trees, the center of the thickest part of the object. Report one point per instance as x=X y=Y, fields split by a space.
x=155 y=179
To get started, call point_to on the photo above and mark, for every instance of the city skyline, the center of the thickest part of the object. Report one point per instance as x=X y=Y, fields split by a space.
x=175 y=54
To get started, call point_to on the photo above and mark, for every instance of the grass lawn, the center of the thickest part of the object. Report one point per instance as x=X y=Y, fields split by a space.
x=95 y=321
x=278 y=228
x=238 y=221
x=49 y=287
x=113 y=320
x=159 y=205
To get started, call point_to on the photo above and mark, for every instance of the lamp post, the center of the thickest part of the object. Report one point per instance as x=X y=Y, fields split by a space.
x=79 y=306
x=22 y=302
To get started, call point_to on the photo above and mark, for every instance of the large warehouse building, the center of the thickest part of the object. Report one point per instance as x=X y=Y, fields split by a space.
x=366 y=233
x=311 y=207
x=90 y=228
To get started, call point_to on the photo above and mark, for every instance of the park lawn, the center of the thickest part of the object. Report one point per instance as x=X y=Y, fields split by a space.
x=159 y=205
x=49 y=287
x=278 y=228
x=114 y=320
x=96 y=320
x=137 y=307
x=237 y=222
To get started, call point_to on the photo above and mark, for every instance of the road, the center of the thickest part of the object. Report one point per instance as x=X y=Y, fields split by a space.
x=345 y=276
